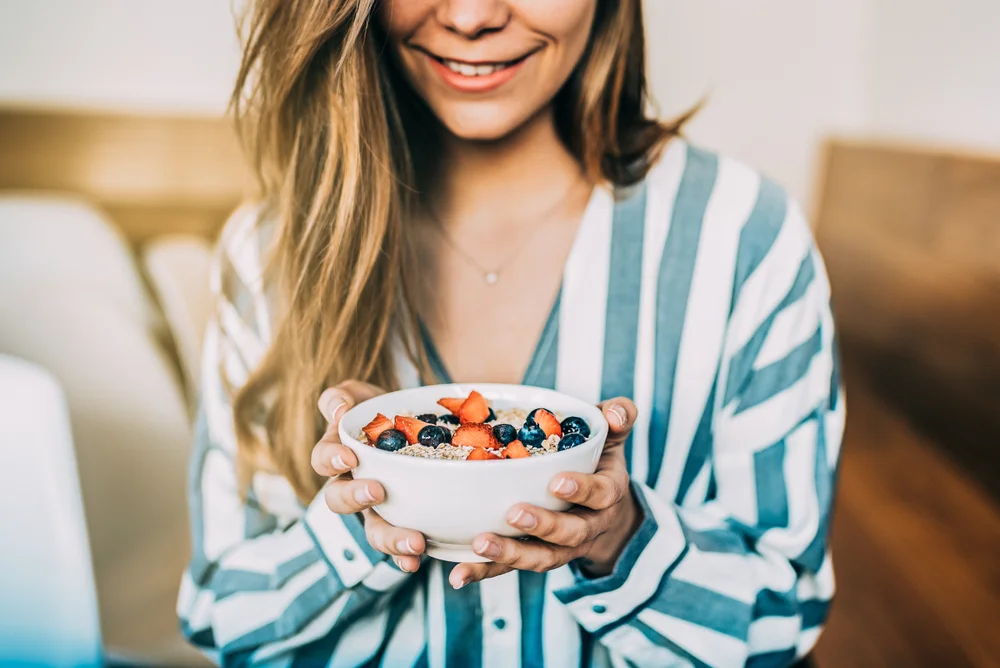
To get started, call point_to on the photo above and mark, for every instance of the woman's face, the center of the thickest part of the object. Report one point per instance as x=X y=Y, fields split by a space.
x=486 y=66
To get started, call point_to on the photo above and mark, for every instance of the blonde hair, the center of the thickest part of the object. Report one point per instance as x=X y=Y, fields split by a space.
x=333 y=134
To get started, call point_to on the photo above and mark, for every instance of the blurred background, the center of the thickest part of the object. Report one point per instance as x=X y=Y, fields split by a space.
x=118 y=168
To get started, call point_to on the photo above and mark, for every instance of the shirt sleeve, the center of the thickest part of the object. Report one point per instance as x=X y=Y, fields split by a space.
x=261 y=587
x=743 y=577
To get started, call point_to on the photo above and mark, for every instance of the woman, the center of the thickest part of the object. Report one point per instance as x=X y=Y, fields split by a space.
x=471 y=190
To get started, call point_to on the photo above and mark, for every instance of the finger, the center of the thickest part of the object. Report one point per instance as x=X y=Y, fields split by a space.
x=361 y=391
x=333 y=403
x=599 y=491
x=406 y=544
x=524 y=555
x=464 y=574
x=346 y=497
x=337 y=400
x=331 y=459
x=620 y=413
x=570 y=529
x=407 y=564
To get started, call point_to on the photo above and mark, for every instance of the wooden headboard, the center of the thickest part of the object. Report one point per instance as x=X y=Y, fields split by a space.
x=912 y=243
x=152 y=174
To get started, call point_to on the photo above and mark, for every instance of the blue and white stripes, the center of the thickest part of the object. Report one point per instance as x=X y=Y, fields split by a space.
x=707 y=304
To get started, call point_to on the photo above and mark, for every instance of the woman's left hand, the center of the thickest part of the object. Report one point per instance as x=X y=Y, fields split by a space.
x=595 y=530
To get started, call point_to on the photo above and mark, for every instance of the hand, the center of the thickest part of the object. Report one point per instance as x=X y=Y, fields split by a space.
x=595 y=531
x=346 y=496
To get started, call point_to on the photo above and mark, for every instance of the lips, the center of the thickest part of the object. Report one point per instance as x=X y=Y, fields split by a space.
x=475 y=77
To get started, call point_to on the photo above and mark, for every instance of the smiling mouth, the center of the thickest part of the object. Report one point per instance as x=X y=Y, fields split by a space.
x=480 y=69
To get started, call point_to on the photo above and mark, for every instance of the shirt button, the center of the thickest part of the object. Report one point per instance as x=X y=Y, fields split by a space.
x=500 y=623
x=348 y=555
x=600 y=608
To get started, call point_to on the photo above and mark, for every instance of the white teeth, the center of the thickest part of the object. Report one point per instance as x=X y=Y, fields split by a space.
x=469 y=70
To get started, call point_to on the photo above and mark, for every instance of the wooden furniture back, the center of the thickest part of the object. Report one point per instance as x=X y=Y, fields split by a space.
x=151 y=174
x=912 y=243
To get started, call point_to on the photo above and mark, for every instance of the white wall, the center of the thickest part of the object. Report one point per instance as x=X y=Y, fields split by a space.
x=169 y=56
x=936 y=71
x=777 y=75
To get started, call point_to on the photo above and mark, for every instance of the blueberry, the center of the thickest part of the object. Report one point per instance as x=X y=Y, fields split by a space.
x=448 y=418
x=505 y=433
x=391 y=440
x=432 y=436
x=576 y=425
x=571 y=441
x=531 y=416
x=492 y=417
x=531 y=435
x=429 y=418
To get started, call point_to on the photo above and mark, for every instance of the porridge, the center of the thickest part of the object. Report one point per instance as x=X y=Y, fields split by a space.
x=472 y=430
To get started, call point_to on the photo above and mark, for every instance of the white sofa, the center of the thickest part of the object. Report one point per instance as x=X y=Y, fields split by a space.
x=49 y=614
x=74 y=301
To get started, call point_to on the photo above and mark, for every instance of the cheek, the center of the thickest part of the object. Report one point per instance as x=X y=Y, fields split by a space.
x=399 y=18
x=566 y=21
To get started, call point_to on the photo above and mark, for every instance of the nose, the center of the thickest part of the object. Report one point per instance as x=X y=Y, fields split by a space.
x=473 y=18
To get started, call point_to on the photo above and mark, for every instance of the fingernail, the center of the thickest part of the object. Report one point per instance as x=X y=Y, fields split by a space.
x=487 y=548
x=461 y=583
x=338 y=463
x=524 y=520
x=364 y=496
x=402 y=566
x=335 y=405
x=619 y=413
x=565 y=487
x=403 y=545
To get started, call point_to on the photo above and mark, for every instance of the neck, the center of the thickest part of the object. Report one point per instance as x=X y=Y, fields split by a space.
x=493 y=183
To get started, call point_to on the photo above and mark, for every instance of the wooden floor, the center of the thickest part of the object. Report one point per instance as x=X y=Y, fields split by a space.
x=916 y=542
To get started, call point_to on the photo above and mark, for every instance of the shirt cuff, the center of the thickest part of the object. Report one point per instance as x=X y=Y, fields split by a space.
x=652 y=552
x=342 y=541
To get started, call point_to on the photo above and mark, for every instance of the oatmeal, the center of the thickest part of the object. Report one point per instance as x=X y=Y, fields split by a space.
x=473 y=430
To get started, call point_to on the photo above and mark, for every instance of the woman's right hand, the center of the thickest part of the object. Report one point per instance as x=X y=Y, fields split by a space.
x=346 y=496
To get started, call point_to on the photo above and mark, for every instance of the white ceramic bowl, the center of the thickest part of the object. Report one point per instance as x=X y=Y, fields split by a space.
x=451 y=502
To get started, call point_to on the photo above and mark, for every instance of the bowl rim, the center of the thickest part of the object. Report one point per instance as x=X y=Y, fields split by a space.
x=599 y=434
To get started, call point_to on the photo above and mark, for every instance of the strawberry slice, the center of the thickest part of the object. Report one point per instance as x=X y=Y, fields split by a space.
x=451 y=404
x=475 y=408
x=410 y=427
x=376 y=427
x=515 y=450
x=476 y=435
x=478 y=454
x=548 y=422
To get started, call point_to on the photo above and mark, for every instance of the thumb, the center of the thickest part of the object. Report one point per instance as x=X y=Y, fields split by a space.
x=620 y=413
x=333 y=403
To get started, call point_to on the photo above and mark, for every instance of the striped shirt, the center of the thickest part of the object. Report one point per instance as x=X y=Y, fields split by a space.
x=707 y=304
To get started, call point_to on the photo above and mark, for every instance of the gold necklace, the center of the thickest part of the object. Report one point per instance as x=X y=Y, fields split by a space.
x=491 y=276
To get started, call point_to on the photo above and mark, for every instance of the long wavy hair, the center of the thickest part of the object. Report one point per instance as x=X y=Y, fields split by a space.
x=334 y=135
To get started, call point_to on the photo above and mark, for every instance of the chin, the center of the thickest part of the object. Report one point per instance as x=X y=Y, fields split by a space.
x=481 y=124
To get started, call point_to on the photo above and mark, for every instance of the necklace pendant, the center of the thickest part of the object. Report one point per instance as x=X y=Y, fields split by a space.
x=491 y=278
